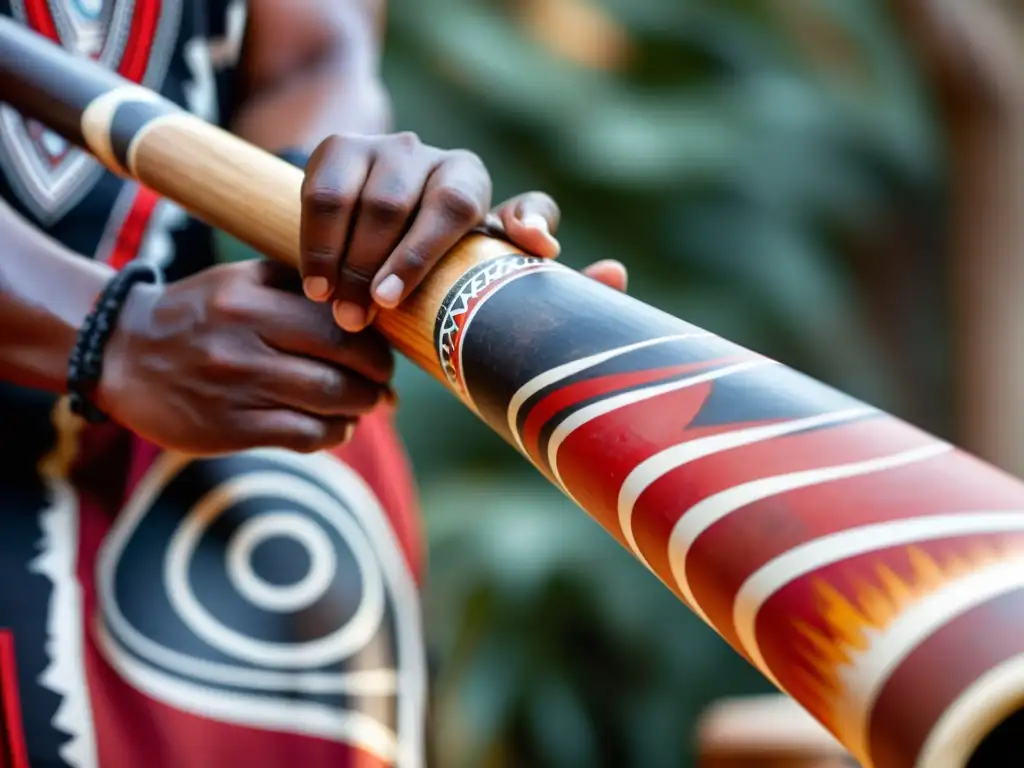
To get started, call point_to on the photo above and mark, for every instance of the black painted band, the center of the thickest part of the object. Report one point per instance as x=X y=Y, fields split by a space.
x=511 y=319
x=131 y=117
x=40 y=79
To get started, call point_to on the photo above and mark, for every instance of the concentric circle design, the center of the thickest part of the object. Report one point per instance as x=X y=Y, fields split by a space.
x=320 y=637
x=281 y=597
x=334 y=646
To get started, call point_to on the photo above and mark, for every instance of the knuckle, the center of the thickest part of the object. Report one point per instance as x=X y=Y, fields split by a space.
x=221 y=360
x=406 y=139
x=331 y=149
x=319 y=258
x=307 y=440
x=413 y=261
x=230 y=303
x=334 y=336
x=541 y=200
x=330 y=145
x=331 y=384
x=468 y=157
x=387 y=209
x=459 y=206
x=357 y=275
x=325 y=201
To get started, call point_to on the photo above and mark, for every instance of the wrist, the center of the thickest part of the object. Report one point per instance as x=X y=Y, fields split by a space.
x=115 y=378
x=89 y=357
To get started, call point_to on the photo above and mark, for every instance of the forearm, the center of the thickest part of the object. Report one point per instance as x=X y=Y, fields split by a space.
x=296 y=96
x=45 y=293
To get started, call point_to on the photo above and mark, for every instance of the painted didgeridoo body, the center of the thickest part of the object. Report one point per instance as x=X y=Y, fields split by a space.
x=872 y=572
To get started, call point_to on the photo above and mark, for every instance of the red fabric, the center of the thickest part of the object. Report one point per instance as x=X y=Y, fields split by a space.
x=145 y=15
x=39 y=17
x=377 y=454
x=13 y=753
x=135 y=730
x=133 y=229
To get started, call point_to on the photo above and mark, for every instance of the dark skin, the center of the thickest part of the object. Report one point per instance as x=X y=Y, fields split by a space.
x=235 y=357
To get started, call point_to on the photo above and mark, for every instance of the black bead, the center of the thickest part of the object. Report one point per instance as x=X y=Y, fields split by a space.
x=85 y=364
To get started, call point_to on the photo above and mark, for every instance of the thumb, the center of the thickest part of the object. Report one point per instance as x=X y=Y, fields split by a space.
x=530 y=221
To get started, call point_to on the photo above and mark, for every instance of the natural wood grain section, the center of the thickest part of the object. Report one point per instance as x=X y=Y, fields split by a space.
x=255 y=197
x=225 y=181
x=410 y=328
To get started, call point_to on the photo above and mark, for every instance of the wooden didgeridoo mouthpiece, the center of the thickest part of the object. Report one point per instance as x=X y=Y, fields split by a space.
x=870 y=571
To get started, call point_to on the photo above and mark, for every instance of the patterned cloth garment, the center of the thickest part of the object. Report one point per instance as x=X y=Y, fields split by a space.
x=159 y=610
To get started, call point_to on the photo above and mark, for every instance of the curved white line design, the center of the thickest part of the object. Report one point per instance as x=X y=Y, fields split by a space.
x=341 y=643
x=843 y=545
x=505 y=281
x=310 y=718
x=711 y=510
x=608 y=405
x=980 y=708
x=660 y=464
x=400 y=745
x=564 y=371
x=867 y=674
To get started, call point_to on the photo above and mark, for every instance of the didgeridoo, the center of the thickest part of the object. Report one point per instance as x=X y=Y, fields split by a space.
x=869 y=570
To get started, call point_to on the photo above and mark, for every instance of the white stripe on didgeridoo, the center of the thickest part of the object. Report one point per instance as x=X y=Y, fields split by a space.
x=645 y=474
x=987 y=702
x=820 y=553
x=865 y=676
x=564 y=371
x=700 y=517
x=617 y=402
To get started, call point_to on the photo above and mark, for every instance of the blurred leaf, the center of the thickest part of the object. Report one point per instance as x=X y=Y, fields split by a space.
x=726 y=162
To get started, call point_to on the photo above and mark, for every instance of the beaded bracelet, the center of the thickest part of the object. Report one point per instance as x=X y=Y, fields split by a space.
x=86 y=363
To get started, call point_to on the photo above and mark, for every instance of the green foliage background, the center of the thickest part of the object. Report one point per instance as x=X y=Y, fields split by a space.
x=728 y=165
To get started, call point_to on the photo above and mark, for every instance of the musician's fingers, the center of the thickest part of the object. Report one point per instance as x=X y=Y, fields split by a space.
x=335 y=175
x=609 y=272
x=455 y=200
x=530 y=221
x=387 y=208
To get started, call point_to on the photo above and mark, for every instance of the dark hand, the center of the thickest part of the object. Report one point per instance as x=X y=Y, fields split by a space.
x=230 y=359
x=379 y=212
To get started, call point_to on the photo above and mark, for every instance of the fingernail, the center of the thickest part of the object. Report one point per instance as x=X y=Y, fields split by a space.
x=609 y=264
x=349 y=316
x=316 y=288
x=536 y=221
x=350 y=431
x=390 y=290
